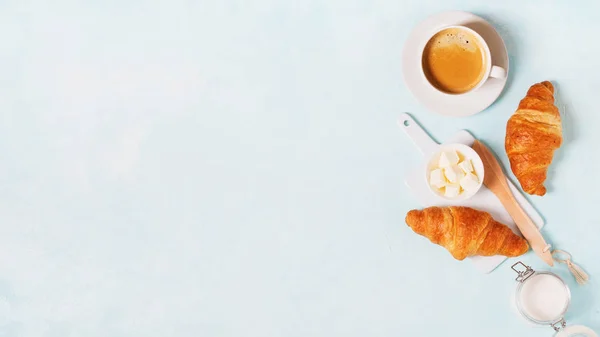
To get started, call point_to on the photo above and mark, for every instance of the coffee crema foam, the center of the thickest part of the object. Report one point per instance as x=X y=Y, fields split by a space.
x=454 y=61
x=458 y=38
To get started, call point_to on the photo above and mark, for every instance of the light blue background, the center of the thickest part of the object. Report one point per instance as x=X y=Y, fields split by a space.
x=234 y=168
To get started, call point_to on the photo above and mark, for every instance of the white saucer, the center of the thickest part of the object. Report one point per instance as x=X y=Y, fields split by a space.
x=451 y=105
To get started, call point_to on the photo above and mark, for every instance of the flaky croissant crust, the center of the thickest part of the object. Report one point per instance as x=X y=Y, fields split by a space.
x=533 y=133
x=465 y=231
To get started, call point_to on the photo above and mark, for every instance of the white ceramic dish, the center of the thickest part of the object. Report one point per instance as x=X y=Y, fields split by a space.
x=484 y=200
x=434 y=100
x=468 y=153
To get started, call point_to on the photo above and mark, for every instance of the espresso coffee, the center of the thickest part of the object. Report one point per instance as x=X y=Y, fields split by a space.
x=454 y=61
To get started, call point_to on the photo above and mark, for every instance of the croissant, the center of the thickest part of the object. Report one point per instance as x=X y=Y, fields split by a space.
x=533 y=133
x=465 y=231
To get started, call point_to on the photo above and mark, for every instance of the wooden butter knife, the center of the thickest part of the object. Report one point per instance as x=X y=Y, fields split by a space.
x=495 y=180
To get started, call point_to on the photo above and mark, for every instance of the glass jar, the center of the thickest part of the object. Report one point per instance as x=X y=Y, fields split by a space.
x=543 y=298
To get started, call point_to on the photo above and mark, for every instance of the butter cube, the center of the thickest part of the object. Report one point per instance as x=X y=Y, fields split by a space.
x=452 y=191
x=436 y=178
x=466 y=166
x=469 y=182
x=448 y=158
x=454 y=174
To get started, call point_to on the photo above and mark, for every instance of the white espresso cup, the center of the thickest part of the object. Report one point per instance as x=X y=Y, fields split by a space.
x=490 y=70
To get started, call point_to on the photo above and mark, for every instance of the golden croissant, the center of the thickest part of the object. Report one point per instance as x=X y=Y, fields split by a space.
x=465 y=231
x=533 y=133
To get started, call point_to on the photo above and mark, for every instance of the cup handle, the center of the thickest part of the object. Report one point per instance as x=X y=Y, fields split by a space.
x=498 y=72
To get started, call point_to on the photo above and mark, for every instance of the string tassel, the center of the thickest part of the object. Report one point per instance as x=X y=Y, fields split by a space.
x=580 y=275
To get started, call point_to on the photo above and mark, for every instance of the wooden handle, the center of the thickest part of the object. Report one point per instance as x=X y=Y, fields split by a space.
x=495 y=180
x=527 y=227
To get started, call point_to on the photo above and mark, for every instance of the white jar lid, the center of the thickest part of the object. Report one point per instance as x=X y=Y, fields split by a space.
x=576 y=331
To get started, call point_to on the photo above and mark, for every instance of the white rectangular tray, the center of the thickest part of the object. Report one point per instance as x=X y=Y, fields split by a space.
x=484 y=200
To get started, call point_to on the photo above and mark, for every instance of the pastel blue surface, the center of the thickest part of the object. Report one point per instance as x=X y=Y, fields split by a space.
x=234 y=168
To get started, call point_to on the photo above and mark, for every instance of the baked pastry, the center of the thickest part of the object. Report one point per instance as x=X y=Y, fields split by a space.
x=465 y=231
x=533 y=133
